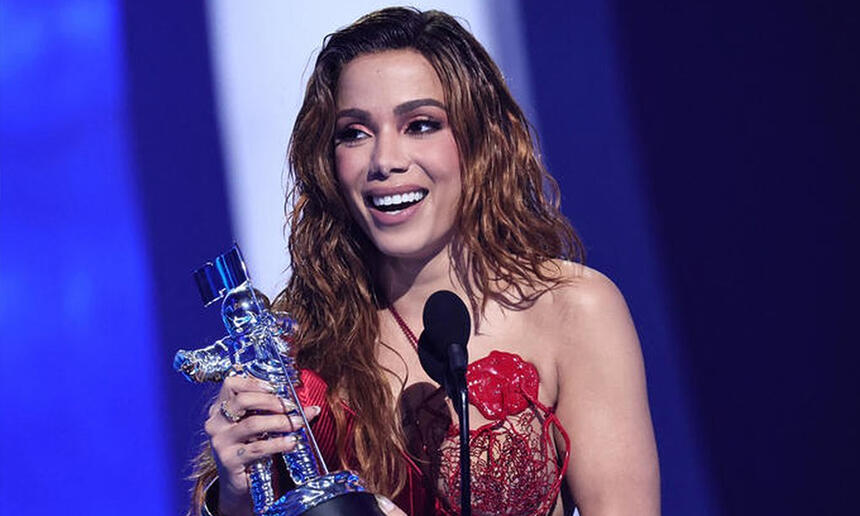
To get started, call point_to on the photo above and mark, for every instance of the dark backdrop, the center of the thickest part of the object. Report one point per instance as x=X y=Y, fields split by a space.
x=742 y=123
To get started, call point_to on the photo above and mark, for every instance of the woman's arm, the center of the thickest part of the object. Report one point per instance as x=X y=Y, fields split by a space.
x=603 y=403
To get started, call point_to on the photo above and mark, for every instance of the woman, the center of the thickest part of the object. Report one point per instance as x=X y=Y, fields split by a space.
x=414 y=171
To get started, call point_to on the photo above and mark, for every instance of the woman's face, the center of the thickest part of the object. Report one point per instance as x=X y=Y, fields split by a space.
x=395 y=155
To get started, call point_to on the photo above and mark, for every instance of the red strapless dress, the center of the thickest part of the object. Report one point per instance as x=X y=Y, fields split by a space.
x=515 y=468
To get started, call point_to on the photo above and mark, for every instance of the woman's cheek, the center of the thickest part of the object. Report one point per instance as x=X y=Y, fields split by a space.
x=347 y=164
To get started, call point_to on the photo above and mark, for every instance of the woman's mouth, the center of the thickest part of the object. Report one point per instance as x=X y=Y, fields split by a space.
x=395 y=203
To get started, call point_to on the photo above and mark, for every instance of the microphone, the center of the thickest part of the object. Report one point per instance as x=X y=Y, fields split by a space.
x=443 y=355
x=442 y=344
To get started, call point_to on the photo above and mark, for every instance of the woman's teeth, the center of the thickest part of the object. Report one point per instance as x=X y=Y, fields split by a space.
x=397 y=202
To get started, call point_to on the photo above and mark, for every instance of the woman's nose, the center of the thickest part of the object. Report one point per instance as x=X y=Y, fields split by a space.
x=389 y=155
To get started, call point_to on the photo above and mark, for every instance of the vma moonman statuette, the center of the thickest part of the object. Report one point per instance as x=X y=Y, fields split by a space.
x=258 y=344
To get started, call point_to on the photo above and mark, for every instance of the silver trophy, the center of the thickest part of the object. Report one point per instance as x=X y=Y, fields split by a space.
x=258 y=343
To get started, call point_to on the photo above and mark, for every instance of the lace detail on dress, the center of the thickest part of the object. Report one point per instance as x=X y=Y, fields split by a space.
x=514 y=469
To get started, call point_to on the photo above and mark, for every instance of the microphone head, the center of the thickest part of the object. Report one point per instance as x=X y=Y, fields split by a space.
x=446 y=322
x=447 y=319
x=433 y=365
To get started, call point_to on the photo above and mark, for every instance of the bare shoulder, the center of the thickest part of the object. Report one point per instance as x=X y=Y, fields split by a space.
x=602 y=398
x=593 y=337
x=583 y=287
x=587 y=305
x=585 y=330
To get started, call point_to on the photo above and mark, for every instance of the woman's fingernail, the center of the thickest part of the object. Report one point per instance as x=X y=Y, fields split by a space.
x=384 y=503
x=313 y=410
x=296 y=421
x=267 y=386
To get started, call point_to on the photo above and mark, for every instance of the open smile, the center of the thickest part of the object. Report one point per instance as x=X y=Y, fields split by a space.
x=397 y=202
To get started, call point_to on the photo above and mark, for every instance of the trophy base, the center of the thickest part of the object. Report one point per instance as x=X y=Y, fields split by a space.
x=358 y=504
x=335 y=494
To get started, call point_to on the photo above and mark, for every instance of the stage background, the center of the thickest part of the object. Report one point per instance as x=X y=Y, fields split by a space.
x=707 y=153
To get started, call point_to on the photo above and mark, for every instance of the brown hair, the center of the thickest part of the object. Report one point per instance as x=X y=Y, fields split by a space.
x=509 y=224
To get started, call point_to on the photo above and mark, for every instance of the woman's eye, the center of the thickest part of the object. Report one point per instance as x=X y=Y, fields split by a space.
x=349 y=135
x=423 y=126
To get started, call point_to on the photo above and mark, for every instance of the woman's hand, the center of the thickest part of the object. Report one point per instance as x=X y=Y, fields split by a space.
x=248 y=422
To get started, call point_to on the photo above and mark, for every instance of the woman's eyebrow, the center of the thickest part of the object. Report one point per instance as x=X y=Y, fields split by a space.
x=412 y=104
x=360 y=114
x=400 y=109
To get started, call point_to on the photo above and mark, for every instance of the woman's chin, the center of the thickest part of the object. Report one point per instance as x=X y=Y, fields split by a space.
x=410 y=251
x=405 y=253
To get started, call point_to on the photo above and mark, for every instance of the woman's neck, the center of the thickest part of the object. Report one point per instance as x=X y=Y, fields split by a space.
x=409 y=282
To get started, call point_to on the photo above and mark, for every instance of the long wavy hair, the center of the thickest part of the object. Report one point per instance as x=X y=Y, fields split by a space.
x=509 y=226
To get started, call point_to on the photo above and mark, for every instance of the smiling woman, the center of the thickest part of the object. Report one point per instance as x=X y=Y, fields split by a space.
x=414 y=171
x=395 y=155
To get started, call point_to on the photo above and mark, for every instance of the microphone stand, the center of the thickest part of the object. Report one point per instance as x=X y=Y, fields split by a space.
x=457 y=363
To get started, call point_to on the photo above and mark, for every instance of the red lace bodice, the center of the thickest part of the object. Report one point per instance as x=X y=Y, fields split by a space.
x=514 y=466
x=515 y=469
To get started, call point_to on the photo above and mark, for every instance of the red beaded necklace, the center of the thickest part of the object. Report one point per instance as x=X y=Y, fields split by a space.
x=410 y=336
